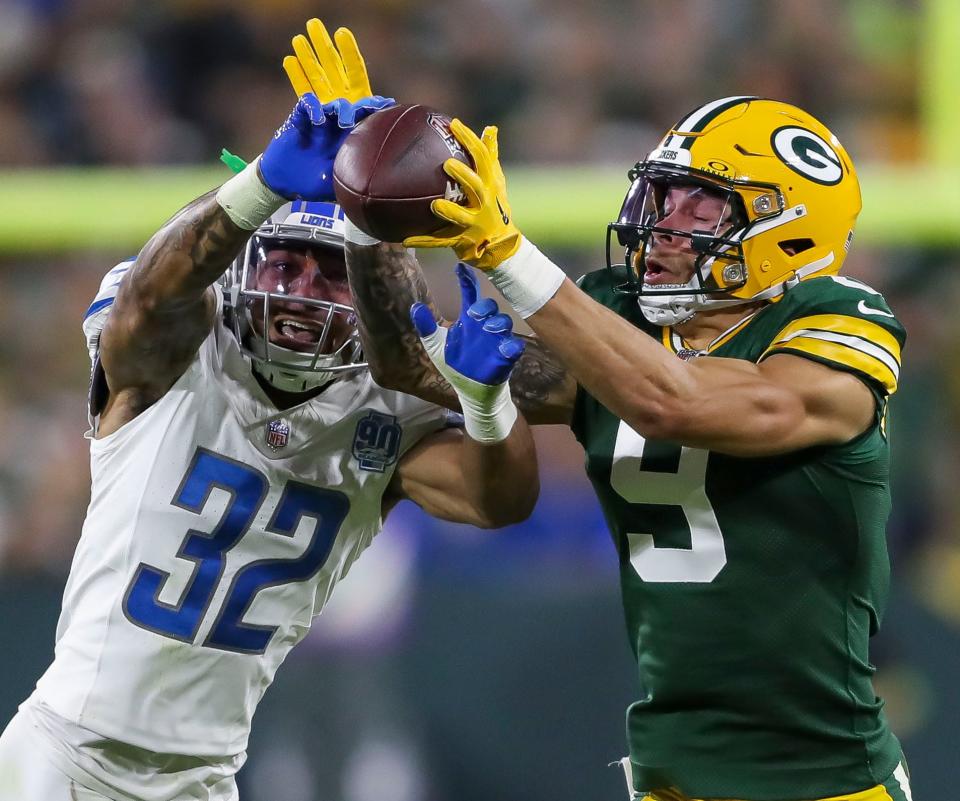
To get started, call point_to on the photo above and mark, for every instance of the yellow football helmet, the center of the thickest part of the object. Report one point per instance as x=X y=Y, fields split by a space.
x=791 y=198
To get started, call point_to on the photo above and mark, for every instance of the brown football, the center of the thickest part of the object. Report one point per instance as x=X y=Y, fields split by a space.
x=390 y=168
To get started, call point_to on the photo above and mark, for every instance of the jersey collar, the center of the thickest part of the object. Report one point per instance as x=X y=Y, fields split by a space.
x=677 y=345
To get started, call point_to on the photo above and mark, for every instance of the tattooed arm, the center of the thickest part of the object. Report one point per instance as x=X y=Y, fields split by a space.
x=385 y=281
x=165 y=308
x=541 y=387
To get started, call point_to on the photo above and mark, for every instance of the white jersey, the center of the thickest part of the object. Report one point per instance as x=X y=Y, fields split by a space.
x=217 y=529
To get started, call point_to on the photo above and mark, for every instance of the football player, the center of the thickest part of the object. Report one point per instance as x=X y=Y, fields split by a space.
x=242 y=459
x=730 y=389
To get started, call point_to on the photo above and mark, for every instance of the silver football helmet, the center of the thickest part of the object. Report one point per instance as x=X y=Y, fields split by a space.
x=322 y=335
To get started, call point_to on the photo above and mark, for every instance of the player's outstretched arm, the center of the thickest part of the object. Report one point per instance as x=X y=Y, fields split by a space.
x=783 y=404
x=385 y=280
x=165 y=308
x=486 y=476
x=451 y=477
x=780 y=405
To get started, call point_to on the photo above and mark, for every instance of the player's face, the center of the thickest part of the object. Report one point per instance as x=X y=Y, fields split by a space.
x=309 y=272
x=670 y=258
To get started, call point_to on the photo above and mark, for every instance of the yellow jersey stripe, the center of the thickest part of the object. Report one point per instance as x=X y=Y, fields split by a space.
x=666 y=338
x=844 y=324
x=841 y=353
x=851 y=342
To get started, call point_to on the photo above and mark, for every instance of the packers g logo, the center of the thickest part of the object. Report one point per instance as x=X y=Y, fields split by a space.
x=807 y=154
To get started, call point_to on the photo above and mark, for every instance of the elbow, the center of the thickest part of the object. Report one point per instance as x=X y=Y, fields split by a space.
x=509 y=511
x=513 y=515
x=491 y=521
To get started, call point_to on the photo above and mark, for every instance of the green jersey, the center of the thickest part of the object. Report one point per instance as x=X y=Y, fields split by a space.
x=751 y=586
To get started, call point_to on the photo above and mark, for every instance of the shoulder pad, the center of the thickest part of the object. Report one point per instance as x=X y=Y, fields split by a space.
x=95 y=317
x=843 y=323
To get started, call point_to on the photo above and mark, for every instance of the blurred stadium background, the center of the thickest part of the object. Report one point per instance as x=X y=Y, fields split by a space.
x=455 y=663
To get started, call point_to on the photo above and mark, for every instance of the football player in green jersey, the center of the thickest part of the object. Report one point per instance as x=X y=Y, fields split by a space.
x=745 y=483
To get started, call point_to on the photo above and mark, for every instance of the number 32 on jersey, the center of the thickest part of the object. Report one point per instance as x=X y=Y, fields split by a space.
x=683 y=487
x=246 y=489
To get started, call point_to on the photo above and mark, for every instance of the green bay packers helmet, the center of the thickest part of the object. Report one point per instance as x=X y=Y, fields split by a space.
x=791 y=200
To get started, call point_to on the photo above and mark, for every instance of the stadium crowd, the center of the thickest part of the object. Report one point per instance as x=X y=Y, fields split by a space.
x=124 y=82
x=121 y=82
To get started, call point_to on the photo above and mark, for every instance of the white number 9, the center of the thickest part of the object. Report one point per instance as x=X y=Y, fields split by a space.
x=706 y=556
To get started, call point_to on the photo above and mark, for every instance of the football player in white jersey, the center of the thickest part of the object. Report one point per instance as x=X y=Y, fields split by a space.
x=241 y=461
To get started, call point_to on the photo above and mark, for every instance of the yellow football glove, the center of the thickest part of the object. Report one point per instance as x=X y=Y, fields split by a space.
x=330 y=73
x=482 y=232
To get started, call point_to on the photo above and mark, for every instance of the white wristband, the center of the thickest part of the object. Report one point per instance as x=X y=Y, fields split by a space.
x=528 y=279
x=247 y=200
x=488 y=419
x=353 y=234
x=488 y=410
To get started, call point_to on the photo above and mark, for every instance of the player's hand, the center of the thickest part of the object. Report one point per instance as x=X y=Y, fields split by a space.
x=298 y=162
x=330 y=71
x=478 y=352
x=481 y=232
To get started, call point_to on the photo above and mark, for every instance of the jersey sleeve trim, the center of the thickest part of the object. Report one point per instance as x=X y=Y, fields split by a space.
x=850 y=342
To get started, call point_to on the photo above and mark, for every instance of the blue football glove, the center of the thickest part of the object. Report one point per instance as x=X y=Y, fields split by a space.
x=476 y=355
x=298 y=162
x=480 y=345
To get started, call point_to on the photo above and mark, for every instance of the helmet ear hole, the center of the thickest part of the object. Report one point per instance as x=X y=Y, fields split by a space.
x=794 y=246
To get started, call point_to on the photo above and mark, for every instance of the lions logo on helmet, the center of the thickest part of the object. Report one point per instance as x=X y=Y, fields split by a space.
x=790 y=201
x=332 y=342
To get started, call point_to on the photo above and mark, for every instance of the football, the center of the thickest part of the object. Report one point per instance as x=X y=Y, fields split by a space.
x=390 y=168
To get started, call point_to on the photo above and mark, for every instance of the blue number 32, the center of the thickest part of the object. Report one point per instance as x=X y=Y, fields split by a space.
x=247 y=488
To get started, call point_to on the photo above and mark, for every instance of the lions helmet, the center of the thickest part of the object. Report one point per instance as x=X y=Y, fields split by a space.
x=337 y=346
x=791 y=199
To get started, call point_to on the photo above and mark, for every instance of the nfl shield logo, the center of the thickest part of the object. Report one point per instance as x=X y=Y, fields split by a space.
x=686 y=354
x=278 y=433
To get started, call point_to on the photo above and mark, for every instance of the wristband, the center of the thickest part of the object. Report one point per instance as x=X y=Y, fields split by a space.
x=247 y=200
x=353 y=234
x=527 y=279
x=488 y=419
x=488 y=410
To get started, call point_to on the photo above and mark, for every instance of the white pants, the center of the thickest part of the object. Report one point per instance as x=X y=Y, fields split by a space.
x=35 y=768
x=26 y=774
